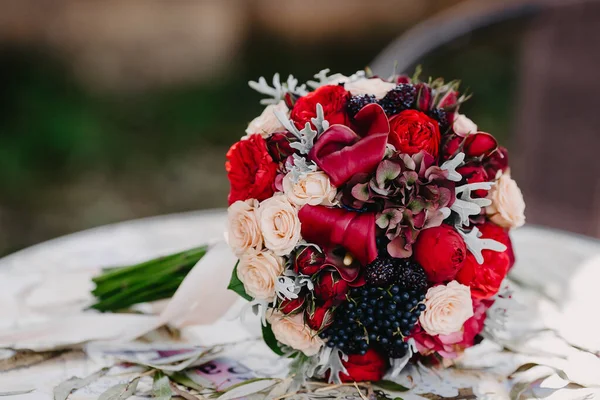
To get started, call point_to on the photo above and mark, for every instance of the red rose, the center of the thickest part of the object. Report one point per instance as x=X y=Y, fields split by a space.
x=497 y=161
x=423 y=97
x=333 y=98
x=479 y=144
x=308 y=260
x=474 y=174
x=292 y=306
x=451 y=147
x=441 y=251
x=279 y=145
x=320 y=318
x=361 y=368
x=330 y=288
x=342 y=152
x=450 y=346
x=485 y=279
x=449 y=100
x=412 y=131
x=250 y=169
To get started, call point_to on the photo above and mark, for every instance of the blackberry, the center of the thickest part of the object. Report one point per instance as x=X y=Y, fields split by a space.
x=411 y=275
x=398 y=99
x=441 y=117
x=356 y=103
x=383 y=271
x=375 y=317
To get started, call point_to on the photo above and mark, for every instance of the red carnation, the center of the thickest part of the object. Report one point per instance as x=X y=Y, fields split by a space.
x=441 y=251
x=368 y=367
x=412 y=131
x=320 y=318
x=308 y=261
x=485 y=279
x=292 y=306
x=250 y=169
x=330 y=288
x=333 y=99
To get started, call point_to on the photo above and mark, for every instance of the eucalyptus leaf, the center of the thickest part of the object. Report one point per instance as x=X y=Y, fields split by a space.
x=182 y=393
x=391 y=386
x=269 y=338
x=63 y=390
x=236 y=285
x=191 y=380
x=247 y=388
x=121 y=391
x=161 y=388
x=16 y=392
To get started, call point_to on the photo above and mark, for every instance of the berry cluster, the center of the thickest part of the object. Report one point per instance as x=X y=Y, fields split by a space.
x=385 y=271
x=356 y=103
x=399 y=99
x=376 y=316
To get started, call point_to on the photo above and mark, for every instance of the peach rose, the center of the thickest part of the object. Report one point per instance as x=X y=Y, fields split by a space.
x=508 y=207
x=243 y=230
x=258 y=271
x=447 y=308
x=279 y=224
x=292 y=331
x=267 y=123
x=314 y=188
x=374 y=86
x=463 y=126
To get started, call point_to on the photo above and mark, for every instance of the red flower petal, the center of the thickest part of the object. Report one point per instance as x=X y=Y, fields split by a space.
x=342 y=153
x=480 y=144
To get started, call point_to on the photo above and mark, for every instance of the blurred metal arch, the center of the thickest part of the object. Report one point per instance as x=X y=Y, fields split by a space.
x=447 y=26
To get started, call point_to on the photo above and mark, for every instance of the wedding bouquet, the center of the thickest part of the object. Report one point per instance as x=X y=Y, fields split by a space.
x=370 y=219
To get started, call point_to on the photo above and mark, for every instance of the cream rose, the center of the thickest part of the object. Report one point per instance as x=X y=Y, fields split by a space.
x=258 y=271
x=374 y=86
x=267 y=123
x=279 y=224
x=508 y=207
x=243 y=230
x=463 y=126
x=292 y=331
x=447 y=308
x=314 y=188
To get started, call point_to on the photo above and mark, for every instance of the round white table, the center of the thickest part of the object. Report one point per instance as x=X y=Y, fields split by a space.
x=557 y=268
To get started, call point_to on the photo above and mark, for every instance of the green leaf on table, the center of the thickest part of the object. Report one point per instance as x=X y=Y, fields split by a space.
x=161 y=388
x=236 y=285
x=269 y=338
x=121 y=391
x=248 y=387
x=62 y=391
x=16 y=392
x=391 y=386
x=191 y=380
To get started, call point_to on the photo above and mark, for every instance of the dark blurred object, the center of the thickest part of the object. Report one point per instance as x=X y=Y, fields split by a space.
x=554 y=140
x=118 y=109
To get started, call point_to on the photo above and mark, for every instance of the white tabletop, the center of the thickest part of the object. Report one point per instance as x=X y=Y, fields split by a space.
x=560 y=268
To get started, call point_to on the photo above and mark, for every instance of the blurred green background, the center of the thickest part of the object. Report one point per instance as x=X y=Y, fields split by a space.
x=130 y=115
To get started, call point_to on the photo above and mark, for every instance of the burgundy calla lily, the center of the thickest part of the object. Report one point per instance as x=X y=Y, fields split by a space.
x=336 y=227
x=341 y=152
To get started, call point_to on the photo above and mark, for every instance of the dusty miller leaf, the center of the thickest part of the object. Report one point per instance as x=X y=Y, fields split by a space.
x=476 y=245
x=62 y=391
x=278 y=91
x=121 y=391
x=161 y=388
x=451 y=166
x=465 y=205
x=300 y=168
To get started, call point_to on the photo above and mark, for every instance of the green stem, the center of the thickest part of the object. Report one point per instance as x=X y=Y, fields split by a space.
x=122 y=287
